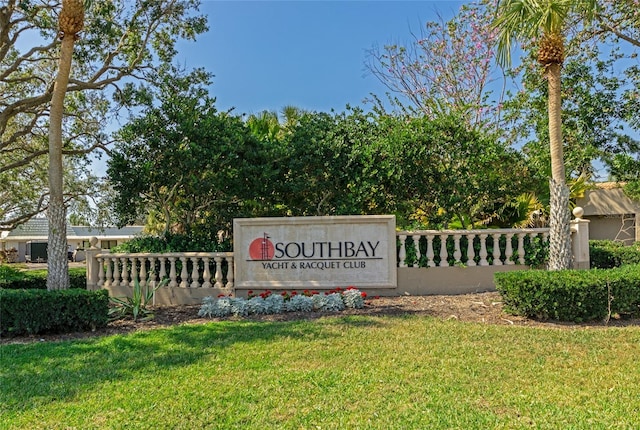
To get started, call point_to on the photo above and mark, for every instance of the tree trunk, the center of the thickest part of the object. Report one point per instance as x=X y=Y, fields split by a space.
x=57 y=262
x=560 y=254
x=559 y=234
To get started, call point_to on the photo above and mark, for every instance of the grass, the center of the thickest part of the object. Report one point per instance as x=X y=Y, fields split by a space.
x=339 y=372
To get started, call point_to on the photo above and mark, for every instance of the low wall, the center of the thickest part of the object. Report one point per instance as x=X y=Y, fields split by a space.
x=448 y=280
x=173 y=295
x=411 y=281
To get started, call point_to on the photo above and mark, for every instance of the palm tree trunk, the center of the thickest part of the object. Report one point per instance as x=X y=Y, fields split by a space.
x=58 y=265
x=559 y=233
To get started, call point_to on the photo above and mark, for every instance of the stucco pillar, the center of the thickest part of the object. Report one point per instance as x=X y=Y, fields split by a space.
x=93 y=266
x=580 y=240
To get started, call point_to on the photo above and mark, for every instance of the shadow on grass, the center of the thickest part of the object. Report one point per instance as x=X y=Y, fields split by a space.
x=33 y=374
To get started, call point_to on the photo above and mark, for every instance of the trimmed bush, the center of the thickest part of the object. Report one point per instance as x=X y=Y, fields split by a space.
x=14 y=279
x=36 y=311
x=571 y=295
x=606 y=254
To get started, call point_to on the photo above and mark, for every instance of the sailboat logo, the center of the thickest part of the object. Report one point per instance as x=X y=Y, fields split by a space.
x=262 y=248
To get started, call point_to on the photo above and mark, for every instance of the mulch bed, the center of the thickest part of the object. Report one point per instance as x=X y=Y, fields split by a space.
x=485 y=308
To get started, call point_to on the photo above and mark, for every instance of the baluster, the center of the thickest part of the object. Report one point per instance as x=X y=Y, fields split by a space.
x=153 y=276
x=496 y=249
x=163 y=268
x=443 y=251
x=184 y=275
x=195 y=275
x=483 y=250
x=206 y=276
x=230 y=268
x=124 y=276
x=134 y=271
x=143 y=271
x=457 y=254
x=218 y=274
x=521 y=248
x=470 y=252
x=508 y=251
x=403 y=253
x=116 y=272
x=416 y=245
x=172 y=272
x=430 y=254
x=101 y=272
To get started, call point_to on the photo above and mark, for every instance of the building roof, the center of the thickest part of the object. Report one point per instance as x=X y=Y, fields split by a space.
x=38 y=229
x=607 y=200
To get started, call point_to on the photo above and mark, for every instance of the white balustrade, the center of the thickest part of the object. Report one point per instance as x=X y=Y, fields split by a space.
x=470 y=251
x=499 y=254
x=430 y=254
x=444 y=256
x=402 y=255
x=416 y=246
x=126 y=269
x=496 y=249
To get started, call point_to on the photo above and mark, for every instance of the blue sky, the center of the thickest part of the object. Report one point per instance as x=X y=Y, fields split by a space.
x=310 y=54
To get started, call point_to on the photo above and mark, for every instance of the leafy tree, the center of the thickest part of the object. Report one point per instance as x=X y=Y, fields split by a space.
x=182 y=160
x=122 y=45
x=431 y=171
x=322 y=164
x=448 y=68
x=443 y=172
x=617 y=19
x=597 y=112
x=546 y=21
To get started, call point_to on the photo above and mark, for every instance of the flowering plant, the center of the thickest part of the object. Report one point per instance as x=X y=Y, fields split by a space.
x=269 y=303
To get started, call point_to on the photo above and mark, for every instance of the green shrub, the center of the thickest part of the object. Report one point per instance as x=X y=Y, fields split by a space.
x=606 y=254
x=62 y=311
x=14 y=279
x=203 y=241
x=571 y=295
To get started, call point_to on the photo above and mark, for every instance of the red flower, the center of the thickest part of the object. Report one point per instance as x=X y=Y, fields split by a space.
x=364 y=295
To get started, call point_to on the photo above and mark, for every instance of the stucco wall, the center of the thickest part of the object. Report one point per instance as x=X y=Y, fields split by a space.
x=609 y=227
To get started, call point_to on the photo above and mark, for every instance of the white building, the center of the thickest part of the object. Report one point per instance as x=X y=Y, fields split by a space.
x=30 y=238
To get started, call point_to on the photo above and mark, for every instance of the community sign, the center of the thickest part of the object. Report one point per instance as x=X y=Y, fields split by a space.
x=315 y=252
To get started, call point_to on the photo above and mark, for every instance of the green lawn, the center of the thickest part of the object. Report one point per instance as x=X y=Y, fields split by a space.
x=333 y=373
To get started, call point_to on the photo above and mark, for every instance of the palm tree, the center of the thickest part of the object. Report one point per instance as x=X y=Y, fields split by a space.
x=545 y=22
x=70 y=23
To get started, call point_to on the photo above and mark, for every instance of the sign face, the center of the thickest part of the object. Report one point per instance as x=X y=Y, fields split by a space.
x=315 y=252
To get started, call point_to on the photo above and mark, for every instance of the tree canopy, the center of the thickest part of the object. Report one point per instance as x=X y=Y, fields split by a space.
x=122 y=45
